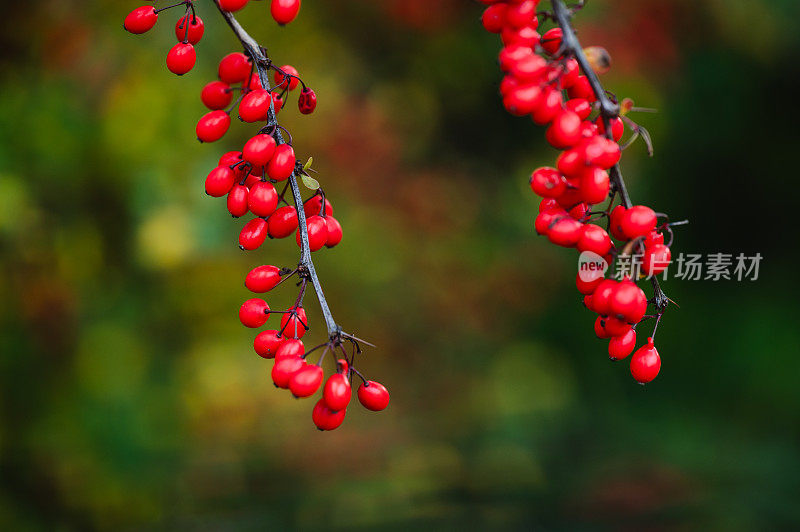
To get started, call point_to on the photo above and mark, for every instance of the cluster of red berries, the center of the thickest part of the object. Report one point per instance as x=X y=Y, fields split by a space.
x=248 y=178
x=544 y=80
x=189 y=29
x=285 y=346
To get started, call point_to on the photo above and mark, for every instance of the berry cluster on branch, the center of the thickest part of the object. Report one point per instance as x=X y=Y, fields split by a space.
x=552 y=79
x=247 y=179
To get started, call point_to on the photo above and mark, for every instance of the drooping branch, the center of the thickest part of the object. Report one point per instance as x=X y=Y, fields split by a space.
x=609 y=110
x=261 y=62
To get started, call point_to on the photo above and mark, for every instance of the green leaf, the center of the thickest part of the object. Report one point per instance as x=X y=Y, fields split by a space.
x=308 y=164
x=310 y=182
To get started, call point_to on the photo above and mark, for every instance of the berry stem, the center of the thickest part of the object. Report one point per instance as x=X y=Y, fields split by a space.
x=262 y=62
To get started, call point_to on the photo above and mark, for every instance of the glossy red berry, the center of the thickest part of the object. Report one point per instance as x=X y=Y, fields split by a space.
x=281 y=165
x=232 y=5
x=524 y=99
x=595 y=239
x=587 y=282
x=284 y=11
x=522 y=13
x=334 y=231
x=254 y=106
x=565 y=232
x=234 y=68
x=582 y=89
x=546 y=219
x=616 y=327
x=551 y=40
x=291 y=347
x=313 y=206
x=141 y=19
x=317 y=233
x=213 y=126
x=565 y=131
x=548 y=182
x=263 y=278
x=526 y=35
x=621 y=346
x=230 y=158
x=656 y=259
x=266 y=343
x=191 y=30
x=259 y=150
x=219 y=181
x=337 y=392
x=283 y=222
x=306 y=381
x=237 y=200
x=529 y=69
x=262 y=199
x=307 y=101
x=615 y=221
x=581 y=106
x=600 y=326
x=216 y=95
x=290 y=73
x=511 y=54
x=549 y=106
x=181 y=58
x=254 y=312
x=325 y=418
x=294 y=324
x=645 y=363
x=493 y=18
x=253 y=234
x=277 y=102
x=628 y=301
x=617 y=127
x=601 y=297
x=638 y=221
x=373 y=395
x=284 y=369
x=594 y=185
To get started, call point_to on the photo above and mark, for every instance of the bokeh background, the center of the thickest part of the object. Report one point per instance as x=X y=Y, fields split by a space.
x=130 y=397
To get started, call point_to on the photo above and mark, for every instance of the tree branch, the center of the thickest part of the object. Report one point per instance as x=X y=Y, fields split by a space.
x=261 y=62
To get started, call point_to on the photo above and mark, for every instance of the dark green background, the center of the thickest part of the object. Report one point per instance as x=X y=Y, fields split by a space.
x=129 y=394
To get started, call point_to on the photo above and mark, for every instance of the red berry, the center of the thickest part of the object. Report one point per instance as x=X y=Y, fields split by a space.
x=237 y=200
x=373 y=395
x=232 y=5
x=253 y=234
x=291 y=347
x=565 y=131
x=181 y=58
x=621 y=346
x=580 y=106
x=587 y=282
x=284 y=369
x=522 y=13
x=529 y=68
x=230 y=158
x=234 y=68
x=277 y=102
x=526 y=35
x=600 y=326
x=565 y=232
x=656 y=259
x=615 y=219
x=254 y=106
x=313 y=206
x=262 y=199
x=601 y=152
x=523 y=99
x=267 y=343
x=616 y=327
x=628 y=301
x=306 y=381
x=511 y=54
x=259 y=150
x=571 y=163
x=549 y=106
x=294 y=324
x=254 y=312
x=307 y=101
x=281 y=165
x=548 y=182
x=582 y=89
x=216 y=95
x=493 y=18
x=645 y=363
x=284 y=11
x=546 y=219
x=219 y=181
x=551 y=40
x=283 y=222
x=325 y=418
x=337 y=392
x=601 y=297
x=213 y=126
x=141 y=19
x=193 y=33
x=291 y=73
x=317 y=233
x=334 y=231
x=595 y=239
x=654 y=237
x=263 y=278
x=617 y=127
x=638 y=221
x=594 y=185
x=255 y=82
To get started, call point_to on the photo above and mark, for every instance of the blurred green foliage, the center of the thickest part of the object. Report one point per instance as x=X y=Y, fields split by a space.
x=130 y=396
